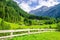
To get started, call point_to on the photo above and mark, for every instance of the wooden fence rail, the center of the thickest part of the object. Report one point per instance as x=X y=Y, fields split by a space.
x=25 y=32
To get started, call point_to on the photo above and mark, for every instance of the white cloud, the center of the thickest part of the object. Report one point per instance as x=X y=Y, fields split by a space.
x=16 y=1
x=48 y=3
x=33 y=0
x=25 y=5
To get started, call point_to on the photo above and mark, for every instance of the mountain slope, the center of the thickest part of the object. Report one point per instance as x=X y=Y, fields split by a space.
x=51 y=12
x=10 y=11
x=39 y=10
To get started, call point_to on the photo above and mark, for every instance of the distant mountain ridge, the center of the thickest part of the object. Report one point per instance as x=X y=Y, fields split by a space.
x=41 y=10
x=51 y=12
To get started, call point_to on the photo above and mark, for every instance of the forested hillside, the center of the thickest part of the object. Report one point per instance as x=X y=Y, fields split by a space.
x=10 y=11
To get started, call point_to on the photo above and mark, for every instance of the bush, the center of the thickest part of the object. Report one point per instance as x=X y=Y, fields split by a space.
x=27 y=22
x=4 y=26
x=49 y=22
x=58 y=26
x=50 y=27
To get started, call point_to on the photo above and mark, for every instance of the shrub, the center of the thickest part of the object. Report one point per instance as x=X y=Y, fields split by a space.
x=58 y=26
x=49 y=22
x=4 y=26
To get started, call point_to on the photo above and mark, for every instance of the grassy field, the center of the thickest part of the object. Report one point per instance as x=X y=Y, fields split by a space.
x=17 y=26
x=42 y=36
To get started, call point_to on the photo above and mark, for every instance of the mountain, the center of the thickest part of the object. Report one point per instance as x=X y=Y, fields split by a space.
x=11 y=12
x=39 y=10
x=51 y=12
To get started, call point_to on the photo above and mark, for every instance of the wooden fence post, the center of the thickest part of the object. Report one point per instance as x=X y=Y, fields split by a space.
x=11 y=35
x=38 y=30
x=28 y=31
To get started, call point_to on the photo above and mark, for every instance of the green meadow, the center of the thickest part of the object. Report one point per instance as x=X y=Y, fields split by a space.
x=41 y=36
x=17 y=26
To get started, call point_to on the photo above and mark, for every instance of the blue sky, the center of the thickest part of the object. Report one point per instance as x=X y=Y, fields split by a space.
x=29 y=5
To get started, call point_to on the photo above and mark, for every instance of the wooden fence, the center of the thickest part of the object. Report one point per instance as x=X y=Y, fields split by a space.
x=23 y=32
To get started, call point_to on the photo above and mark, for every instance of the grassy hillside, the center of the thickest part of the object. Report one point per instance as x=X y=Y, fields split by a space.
x=6 y=25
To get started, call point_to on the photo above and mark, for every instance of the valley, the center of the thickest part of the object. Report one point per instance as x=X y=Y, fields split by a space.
x=12 y=17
